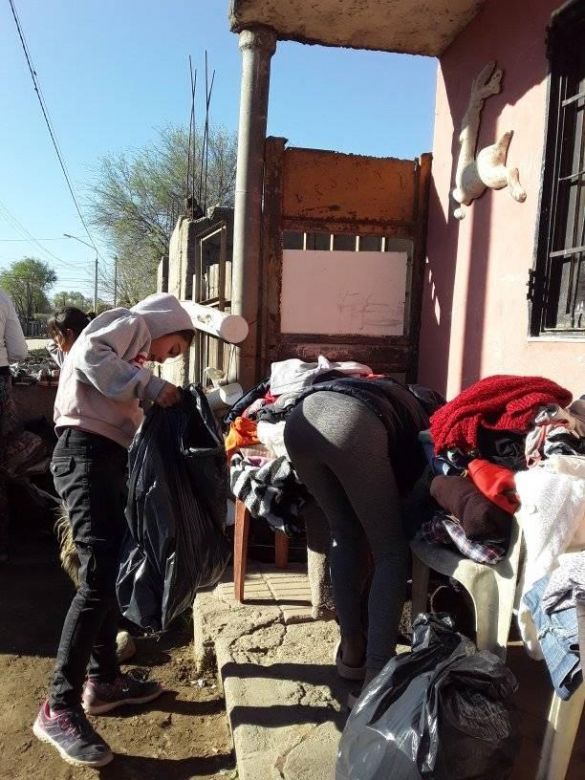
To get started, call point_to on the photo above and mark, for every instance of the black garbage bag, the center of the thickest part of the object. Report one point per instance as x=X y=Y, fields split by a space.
x=176 y=512
x=441 y=711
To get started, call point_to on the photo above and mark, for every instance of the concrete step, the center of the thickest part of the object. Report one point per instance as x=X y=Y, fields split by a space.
x=285 y=703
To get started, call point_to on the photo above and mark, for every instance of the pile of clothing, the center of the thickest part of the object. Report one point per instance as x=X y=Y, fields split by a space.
x=261 y=474
x=33 y=370
x=516 y=445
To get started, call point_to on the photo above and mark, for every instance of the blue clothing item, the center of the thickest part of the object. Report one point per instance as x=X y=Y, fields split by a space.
x=448 y=463
x=559 y=641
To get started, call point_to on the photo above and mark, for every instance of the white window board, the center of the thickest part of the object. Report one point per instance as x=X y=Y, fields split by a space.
x=359 y=293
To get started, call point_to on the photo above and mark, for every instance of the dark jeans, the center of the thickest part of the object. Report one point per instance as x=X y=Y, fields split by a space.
x=5 y=401
x=90 y=476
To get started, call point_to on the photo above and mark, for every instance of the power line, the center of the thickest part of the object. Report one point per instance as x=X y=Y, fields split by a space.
x=5 y=240
x=45 y=110
x=34 y=280
x=20 y=228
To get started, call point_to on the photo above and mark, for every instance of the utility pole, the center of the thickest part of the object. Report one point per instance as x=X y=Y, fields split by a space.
x=29 y=307
x=95 y=277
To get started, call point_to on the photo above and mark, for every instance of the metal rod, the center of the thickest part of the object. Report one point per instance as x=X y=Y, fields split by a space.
x=191 y=128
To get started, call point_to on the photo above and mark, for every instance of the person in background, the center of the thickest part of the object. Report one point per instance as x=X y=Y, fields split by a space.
x=13 y=348
x=64 y=327
x=97 y=412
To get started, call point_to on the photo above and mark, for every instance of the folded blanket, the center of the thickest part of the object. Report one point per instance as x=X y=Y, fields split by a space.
x=270 y=490
x=479 y=517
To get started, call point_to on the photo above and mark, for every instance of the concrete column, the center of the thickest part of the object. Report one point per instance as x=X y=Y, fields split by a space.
x=257 y=46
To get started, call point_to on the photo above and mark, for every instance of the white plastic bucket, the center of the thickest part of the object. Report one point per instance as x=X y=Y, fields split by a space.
x=225 y=395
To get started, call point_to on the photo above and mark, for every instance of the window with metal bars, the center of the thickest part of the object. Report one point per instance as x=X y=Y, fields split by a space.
x=557 y=283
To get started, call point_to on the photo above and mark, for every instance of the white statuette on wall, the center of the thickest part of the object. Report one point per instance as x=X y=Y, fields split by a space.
x=488 y=169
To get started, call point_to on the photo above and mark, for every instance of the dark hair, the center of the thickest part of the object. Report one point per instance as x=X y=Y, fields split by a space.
x=69 y=318
x=187 y=335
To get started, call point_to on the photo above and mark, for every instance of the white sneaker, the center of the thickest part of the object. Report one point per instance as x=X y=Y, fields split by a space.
x=125 y=646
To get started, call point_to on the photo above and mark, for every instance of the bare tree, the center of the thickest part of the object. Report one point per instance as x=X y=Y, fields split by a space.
x=137 y=199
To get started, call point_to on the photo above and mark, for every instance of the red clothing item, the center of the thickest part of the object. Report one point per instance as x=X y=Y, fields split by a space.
x=495 y=482
x=501 y=402
x=242 y=433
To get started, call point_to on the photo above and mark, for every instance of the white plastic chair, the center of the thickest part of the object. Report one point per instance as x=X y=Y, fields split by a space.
x=495 y=591
x=492 y=588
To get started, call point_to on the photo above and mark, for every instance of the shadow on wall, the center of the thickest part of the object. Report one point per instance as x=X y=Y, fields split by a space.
x=501 y=31
x=438 y=298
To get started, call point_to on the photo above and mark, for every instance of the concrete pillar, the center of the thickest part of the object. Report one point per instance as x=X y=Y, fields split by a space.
x=257 y=46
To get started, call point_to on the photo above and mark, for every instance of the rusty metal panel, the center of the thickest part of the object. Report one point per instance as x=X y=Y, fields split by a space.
x=271 y=267
x=307 y=190
x=423 y=180
x=322 y=185
x=384 y=358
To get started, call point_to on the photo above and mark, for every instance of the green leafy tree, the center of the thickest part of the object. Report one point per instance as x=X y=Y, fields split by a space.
x=137 y=199
x=28 y=282
x=72 y=298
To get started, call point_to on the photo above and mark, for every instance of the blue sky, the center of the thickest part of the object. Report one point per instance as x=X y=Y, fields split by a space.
x=113 y=71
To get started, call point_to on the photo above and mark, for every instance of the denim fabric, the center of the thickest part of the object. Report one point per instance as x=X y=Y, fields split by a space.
x=89 y=472
x=558 y=637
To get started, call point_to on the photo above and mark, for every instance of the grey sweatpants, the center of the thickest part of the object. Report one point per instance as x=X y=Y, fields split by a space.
x=339 y=449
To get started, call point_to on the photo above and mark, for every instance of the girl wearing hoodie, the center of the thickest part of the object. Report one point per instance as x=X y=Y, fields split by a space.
x=97 y=412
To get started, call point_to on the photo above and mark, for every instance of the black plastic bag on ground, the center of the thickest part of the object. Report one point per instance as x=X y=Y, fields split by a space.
x=176 y=512
x=441 y=711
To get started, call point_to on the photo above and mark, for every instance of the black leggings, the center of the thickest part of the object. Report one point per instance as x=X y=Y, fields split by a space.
x=90 y=476
x=340 y=451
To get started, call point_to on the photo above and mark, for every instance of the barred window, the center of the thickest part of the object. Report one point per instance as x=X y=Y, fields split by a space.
x=557 y=283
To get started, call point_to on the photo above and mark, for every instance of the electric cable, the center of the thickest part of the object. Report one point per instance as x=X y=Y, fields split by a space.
x=45 y=111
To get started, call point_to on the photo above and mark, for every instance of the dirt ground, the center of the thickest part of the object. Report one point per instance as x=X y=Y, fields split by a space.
x=182 y=735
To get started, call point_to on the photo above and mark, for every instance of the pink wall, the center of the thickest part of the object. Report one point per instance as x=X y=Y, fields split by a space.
x=475 y=314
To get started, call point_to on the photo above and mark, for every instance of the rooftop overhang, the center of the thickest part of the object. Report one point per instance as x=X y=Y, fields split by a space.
x=406 y=26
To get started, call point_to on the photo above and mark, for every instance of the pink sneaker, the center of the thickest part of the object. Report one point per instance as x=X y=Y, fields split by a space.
x=70 y=732
x=99 y=697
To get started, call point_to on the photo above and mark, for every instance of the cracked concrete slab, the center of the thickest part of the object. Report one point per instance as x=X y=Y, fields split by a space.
x=285 y=703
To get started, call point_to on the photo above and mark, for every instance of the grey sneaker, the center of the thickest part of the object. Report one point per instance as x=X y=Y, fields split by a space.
x=70 y=732
x=99 y=697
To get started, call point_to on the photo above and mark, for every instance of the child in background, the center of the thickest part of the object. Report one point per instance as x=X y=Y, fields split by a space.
x=64 y=327
x=97 y=413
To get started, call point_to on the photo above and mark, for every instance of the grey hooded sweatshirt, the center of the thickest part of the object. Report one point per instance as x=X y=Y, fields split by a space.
x=103 y=378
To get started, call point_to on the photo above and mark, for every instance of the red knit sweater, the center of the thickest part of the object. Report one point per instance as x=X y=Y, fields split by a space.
x=501 y=402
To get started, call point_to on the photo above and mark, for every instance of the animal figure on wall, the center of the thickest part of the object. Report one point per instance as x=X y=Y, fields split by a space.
x=475 y=174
